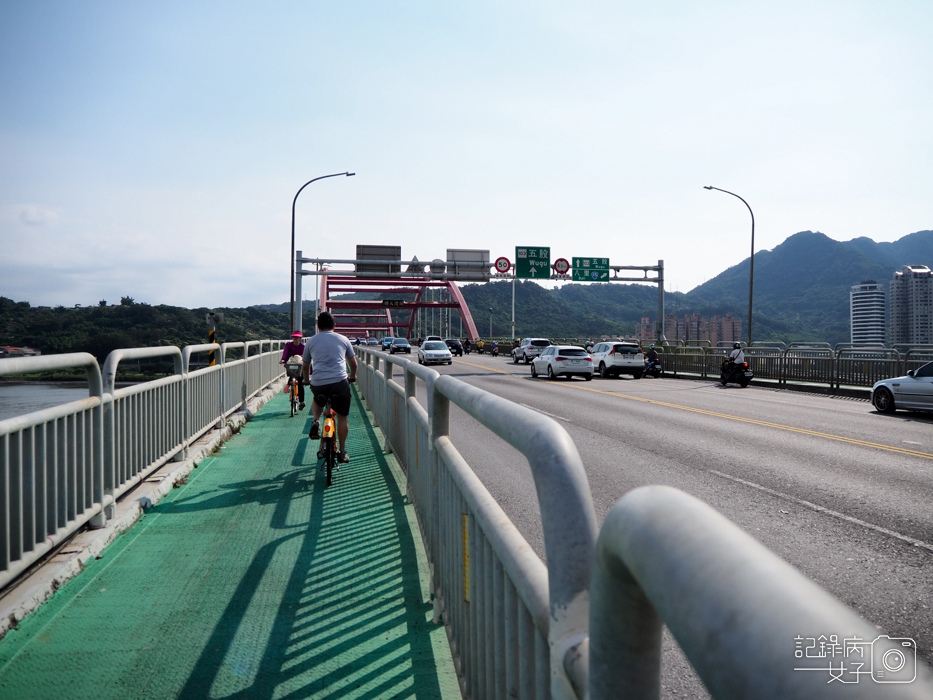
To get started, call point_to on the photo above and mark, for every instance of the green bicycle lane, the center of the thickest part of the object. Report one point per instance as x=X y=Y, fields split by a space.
x=252 y=580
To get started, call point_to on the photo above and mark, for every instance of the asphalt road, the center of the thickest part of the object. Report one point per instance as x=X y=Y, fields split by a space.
x=838 y=490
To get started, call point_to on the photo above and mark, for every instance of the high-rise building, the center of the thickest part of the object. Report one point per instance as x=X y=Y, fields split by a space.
x=867 y=313
x=911 y=295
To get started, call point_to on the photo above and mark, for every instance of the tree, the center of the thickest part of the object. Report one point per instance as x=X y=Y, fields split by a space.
x=102 y=302
x=126 y=301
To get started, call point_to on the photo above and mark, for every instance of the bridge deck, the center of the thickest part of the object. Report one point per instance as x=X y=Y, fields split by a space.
x=253 y=581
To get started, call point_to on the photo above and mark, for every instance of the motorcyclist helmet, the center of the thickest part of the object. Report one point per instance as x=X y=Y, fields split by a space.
x=736 y=346
x=651 y=347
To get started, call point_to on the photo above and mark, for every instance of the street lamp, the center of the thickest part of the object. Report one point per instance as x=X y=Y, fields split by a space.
x=291 y=323
x=751 y=274
x=490 y=322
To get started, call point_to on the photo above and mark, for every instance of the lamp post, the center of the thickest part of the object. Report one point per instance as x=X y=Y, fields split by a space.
x=751 y=274
x=291 y=322
x=490 y=323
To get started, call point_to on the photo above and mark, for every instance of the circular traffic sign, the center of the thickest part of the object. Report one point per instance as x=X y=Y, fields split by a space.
x=561 y=266
x=503 y=265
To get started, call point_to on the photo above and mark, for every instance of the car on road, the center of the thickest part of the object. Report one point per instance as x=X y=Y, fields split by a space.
x=400 y=345
x=616 y=357
x=913 y=391
x=455 y=346
x=387 y=342
x=434 y=352
x=529 y=349
x=372 y=341
x=563 y=361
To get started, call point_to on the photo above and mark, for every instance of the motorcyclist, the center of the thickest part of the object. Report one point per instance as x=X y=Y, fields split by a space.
x=467 y=346
x=737 y=356
x=652 y=354
x=479 y=346
x=495 y=347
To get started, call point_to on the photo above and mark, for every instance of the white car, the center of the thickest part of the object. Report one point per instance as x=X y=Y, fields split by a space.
x=434 y=352
x=563 y=361
x=616 y=357
x=529 y=349
x=911 y=392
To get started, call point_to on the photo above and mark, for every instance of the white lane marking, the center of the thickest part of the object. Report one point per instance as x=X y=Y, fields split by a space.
x=552 y=415
x=911 y=442
x=827 y=511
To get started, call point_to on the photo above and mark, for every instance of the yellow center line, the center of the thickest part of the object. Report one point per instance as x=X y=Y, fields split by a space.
x=766 y=424
x=740 y=419
x=489 y=369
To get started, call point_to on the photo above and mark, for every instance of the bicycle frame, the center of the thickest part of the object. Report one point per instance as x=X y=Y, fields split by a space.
x=328 y=448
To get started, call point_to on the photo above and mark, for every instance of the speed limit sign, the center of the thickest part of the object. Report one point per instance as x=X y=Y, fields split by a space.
x=503 y=265
x=561 y=266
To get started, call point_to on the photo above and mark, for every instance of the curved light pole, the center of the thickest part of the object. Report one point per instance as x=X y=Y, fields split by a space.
x=751 y=275
x=291 y=322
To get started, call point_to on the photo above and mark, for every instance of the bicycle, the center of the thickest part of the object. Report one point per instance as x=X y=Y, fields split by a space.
x=293 y=370
x=328 y=448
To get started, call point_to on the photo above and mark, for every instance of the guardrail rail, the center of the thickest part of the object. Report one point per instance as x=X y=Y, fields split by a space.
x=63 y=468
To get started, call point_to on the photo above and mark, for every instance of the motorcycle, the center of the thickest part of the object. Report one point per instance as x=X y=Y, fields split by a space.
x=467 y=347
x=495 y=351
x=736 y=372
x=652 y=369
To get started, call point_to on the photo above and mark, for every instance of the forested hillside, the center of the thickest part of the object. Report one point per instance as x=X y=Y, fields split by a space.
x=801 y=293
x=100 y=329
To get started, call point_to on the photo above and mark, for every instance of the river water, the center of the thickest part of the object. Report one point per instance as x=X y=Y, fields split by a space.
x=18 y=399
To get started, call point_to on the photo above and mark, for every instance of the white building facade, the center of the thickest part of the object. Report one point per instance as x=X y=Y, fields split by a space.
x=868 y=313
x=911 y=306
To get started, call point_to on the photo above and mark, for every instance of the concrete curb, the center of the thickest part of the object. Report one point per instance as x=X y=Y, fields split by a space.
x=39 y=584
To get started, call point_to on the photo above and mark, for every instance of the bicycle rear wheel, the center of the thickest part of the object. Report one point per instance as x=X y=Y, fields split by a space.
x=293 y=395
x=330 y=460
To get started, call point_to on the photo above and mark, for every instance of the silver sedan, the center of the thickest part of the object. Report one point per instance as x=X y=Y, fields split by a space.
x=913 y=391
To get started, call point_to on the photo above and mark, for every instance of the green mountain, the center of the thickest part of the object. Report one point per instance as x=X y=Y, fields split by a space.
x=801 y=288
x=801 y=293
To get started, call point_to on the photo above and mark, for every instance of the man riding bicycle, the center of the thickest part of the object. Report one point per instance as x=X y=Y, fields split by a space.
x=330 y=353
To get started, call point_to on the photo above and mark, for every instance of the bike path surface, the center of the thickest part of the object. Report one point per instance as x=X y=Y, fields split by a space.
x=253 y=580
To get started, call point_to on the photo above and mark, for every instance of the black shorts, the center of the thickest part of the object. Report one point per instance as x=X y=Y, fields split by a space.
x=338 y=393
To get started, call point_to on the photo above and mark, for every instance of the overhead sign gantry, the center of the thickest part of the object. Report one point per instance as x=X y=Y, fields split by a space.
x=380 y=269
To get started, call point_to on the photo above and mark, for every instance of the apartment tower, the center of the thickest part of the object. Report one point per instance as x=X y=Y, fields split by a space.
x=867 y=313
x=911 y=316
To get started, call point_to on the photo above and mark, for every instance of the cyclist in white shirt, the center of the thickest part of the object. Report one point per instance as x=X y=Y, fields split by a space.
x=326 y=357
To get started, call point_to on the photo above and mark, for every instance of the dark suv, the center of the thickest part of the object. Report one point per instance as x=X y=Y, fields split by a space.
x=455 y=346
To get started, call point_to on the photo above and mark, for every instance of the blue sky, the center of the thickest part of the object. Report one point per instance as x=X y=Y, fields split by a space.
x=153 y=150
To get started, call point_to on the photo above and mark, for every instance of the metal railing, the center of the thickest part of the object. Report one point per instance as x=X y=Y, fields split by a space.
x=800 y=363
x=520 y=629
x=64 y=467
x=510 y=621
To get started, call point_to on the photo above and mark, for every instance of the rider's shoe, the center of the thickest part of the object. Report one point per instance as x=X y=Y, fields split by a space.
x=315 y=433
x=343 y=457
x=301 y=406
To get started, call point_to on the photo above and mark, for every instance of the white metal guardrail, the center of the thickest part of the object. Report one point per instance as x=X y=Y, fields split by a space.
x=519 y=629
x=63 y=468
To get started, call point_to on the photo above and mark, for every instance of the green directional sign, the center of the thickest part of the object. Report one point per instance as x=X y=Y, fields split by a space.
x=533 y=262
x=590 y=269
